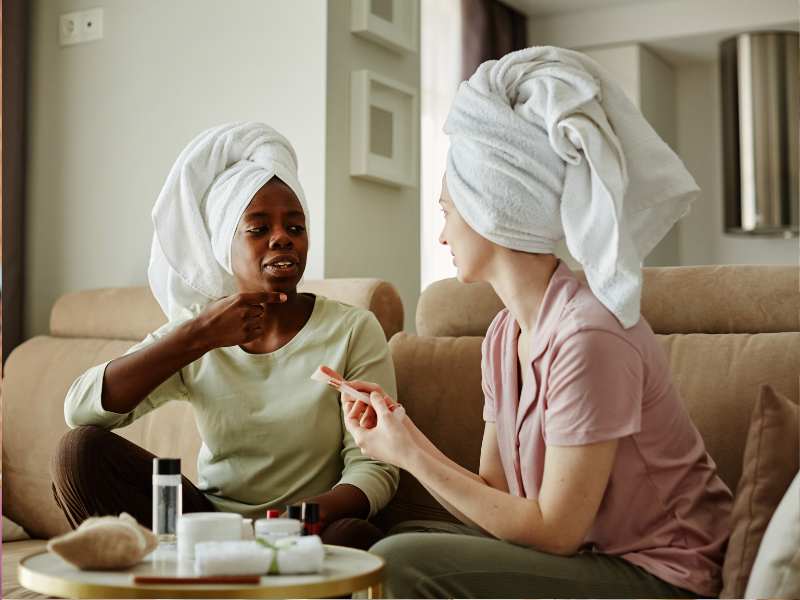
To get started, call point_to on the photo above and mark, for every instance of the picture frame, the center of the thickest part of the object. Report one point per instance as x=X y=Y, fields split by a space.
x=391 y=23
x=383 y=130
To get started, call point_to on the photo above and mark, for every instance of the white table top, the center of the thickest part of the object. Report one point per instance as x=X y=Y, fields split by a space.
x=345 y=570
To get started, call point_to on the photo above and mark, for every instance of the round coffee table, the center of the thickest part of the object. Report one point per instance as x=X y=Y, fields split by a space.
x=346 y=570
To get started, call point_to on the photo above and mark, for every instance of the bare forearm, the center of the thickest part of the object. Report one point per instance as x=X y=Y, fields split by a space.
x=425 y=445
x=129 y=379
x=452 y=509
x=507 y=517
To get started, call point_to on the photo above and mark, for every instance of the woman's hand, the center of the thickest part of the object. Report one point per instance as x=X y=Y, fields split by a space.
x=386 y=433
x=363 y=411
x=344 y=501
x=233 y=320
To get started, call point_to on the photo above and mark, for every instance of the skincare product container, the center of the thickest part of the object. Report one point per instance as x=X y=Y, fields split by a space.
x=272 y=530
x=166 y=498
x=207 y=527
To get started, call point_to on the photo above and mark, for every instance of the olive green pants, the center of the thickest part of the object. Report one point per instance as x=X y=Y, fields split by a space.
x=433 y=559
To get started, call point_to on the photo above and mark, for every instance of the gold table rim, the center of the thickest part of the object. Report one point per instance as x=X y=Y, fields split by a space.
x=44 y=583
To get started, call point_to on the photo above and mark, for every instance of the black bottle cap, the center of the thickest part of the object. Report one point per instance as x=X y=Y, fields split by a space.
x=166 y=466
x=310 y=512
x=294 y=511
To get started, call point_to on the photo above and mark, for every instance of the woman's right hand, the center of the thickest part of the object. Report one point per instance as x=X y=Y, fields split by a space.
x=234 y=320
x=363 y=412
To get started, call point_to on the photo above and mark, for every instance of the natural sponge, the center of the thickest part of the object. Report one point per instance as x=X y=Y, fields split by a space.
x=105 y=543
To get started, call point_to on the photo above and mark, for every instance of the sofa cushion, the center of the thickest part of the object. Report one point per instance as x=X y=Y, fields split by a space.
x=38 y=373
x=770 y=463
x=776 y=571
x=96 y=314
x=439 y=383
x=718 y=378
x=707 y=299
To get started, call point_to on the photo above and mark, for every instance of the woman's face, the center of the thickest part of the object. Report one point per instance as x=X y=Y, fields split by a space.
x=471 y=252
x=270 y=245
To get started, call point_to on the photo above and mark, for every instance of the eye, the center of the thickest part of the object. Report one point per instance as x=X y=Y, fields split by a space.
x=296 y=229
x=256 y=230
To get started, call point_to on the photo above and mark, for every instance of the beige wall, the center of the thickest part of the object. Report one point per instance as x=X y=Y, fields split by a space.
x=621 y=63
x=108 y=118
x=658 y=103
x=372 y=230
x=643 y=22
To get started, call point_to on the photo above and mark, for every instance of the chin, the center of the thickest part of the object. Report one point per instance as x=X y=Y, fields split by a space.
x=282 y=284
x=472 y=275
x=464 y=277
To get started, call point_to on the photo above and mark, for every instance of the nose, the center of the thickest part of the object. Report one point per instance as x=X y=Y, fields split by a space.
x=280 y=239
x=442 y=239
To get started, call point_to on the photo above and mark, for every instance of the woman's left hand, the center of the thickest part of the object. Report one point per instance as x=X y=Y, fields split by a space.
x=388 y=436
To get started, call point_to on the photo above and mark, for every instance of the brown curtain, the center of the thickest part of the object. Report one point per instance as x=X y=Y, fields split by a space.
x=489 y=30
x=15 y=19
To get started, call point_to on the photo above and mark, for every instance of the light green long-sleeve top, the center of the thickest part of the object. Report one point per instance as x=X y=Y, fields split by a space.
x=271 y=436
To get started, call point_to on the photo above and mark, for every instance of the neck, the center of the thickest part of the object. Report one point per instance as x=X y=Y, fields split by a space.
x=282 y=315
x=282 y=322
x=520 y=280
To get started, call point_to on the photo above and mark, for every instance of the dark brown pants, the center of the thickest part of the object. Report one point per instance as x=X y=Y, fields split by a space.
x=96 y=472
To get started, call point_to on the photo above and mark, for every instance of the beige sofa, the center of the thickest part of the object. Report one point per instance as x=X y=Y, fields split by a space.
x=726 y=330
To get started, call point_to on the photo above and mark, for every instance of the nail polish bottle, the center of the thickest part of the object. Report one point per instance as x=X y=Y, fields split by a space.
x=313 y=526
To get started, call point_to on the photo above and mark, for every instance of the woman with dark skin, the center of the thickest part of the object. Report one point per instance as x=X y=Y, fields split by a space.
x=223 y=346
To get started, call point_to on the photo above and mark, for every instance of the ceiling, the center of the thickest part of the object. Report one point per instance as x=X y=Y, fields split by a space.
x=676 y=51
x=701 y=48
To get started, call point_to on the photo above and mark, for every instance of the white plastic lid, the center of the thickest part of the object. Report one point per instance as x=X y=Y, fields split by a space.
x=279 y=526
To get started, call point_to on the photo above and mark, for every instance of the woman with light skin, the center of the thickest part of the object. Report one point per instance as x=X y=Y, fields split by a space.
x=230 y=249
x=593 y=482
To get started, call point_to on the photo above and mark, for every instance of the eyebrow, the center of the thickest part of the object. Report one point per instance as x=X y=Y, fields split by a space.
x=291 y=213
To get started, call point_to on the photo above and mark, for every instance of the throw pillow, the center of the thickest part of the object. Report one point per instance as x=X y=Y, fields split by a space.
x=770 y=462
x=776 y=572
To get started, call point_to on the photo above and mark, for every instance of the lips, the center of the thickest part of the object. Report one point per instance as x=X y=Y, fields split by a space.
x=284 y=265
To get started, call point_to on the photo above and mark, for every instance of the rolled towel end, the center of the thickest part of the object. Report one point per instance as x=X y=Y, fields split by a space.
x=232 y=558
x=290 y=556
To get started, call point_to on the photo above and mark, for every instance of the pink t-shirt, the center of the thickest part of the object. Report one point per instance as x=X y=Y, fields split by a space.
x=665 y=509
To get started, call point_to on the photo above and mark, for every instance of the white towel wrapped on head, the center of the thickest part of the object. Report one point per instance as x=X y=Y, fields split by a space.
x=545 y=146
x=295 y=556
x=196 y=214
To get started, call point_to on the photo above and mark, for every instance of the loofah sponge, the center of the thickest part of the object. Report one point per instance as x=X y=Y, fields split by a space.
x=105 y=543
